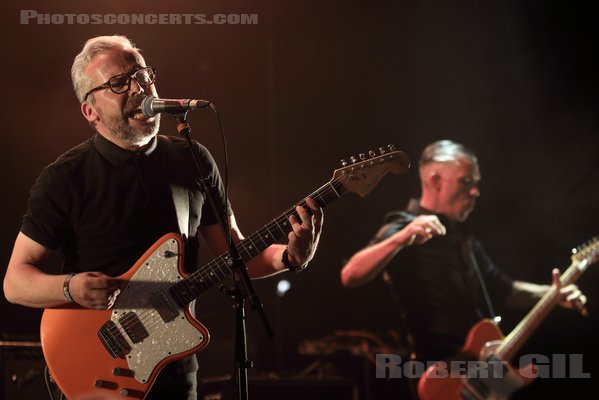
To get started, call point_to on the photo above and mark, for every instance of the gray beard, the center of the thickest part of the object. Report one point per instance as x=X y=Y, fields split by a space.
x=120 y=128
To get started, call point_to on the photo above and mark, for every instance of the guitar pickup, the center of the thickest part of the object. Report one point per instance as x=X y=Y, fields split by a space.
x=133 y=326
x=113 y=340
x=161 y=303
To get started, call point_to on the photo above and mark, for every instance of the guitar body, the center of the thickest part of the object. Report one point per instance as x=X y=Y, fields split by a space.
x=86 y=367
x=439 y=383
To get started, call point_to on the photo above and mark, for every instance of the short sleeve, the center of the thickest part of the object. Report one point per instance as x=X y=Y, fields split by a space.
x=216 y=186
x=392 y=223
x=47 y=219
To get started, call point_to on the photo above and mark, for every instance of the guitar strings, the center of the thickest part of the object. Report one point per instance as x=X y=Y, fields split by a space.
x=204 y=273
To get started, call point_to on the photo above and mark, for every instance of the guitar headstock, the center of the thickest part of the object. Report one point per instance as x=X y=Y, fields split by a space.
x=587 y=252
x=361 y=174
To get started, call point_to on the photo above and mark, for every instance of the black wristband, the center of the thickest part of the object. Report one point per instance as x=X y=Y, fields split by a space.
x=65 y=287
x=288 y=265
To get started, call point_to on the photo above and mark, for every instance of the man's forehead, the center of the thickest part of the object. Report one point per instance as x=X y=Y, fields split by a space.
x=105 y=65
x=115 y=59
x=132 y=55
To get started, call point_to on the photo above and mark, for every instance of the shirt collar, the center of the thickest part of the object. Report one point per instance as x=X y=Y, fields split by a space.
x=117 y=155
x=415 y=208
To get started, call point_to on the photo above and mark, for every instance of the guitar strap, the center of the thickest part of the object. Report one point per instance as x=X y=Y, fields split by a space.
x=181 y=202
x=469 y=258
x=180 y=193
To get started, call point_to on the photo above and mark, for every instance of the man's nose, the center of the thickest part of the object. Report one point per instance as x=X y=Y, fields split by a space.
x=135 y=87
x=474 y=191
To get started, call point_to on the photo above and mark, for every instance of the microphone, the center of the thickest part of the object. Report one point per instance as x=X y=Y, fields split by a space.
x=151 y=105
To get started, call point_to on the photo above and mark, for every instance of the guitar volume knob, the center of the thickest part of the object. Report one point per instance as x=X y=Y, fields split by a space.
x=122 y=372
x=102 y=384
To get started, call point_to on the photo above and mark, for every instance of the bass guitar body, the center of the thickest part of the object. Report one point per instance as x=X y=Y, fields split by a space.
x=475 y=374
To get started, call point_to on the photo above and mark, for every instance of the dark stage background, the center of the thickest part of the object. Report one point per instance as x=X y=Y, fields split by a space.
x=316 y=81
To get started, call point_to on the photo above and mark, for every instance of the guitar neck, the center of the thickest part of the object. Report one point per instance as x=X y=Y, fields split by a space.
x=215 y=271
x=517 y=337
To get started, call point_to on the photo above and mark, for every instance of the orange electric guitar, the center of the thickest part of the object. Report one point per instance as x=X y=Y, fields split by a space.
x=486 y=343
x=117 y=353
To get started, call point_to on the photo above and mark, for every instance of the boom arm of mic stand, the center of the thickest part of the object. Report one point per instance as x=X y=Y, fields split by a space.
x=243 y=284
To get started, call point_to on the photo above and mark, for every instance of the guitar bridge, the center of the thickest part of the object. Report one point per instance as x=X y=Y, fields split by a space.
x=113 y=340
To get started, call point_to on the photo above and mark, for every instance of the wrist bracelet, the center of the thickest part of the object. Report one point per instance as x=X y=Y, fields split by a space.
x=65 y=287
x=287 y=263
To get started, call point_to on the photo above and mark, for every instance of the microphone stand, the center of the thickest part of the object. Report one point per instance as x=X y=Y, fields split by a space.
x=243 y=288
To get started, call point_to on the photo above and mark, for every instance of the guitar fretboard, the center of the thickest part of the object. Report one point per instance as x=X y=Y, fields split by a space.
x=517 y=337
x=214 y=272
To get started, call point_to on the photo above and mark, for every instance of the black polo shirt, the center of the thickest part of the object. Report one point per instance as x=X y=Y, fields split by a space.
x=438 y=287
x=103 y=206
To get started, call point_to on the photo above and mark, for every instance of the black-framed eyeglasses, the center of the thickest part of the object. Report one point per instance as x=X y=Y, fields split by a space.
x=121 y=83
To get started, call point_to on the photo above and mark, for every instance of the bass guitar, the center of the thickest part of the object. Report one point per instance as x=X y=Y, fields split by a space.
x=118 y=353
x=491 y=376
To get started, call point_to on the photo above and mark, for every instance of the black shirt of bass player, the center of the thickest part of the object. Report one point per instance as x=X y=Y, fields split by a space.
x=438 y=285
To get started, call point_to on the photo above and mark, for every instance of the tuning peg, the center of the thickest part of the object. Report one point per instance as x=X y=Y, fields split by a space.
x=382 y=150
x=362 y=156
x=343 y=162
x=372 y=154
x=391 y=147
x=353 y=159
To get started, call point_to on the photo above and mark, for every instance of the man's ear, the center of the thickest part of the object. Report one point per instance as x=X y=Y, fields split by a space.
x=89 y=112
x=435 y=180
